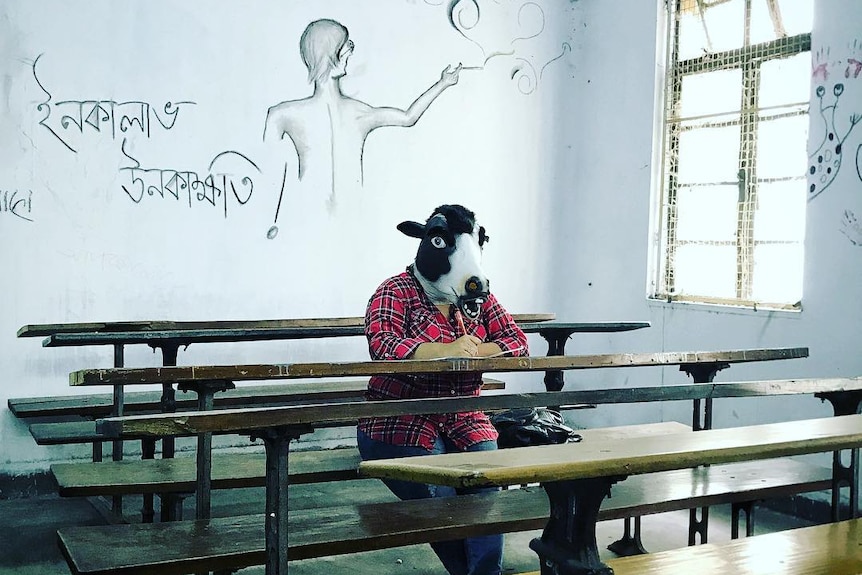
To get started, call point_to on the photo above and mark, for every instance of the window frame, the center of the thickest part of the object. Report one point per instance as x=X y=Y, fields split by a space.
x=748 y=60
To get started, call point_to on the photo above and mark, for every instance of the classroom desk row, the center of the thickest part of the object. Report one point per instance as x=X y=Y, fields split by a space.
x=576 y=477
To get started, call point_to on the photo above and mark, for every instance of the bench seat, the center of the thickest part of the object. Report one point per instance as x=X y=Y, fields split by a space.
x=248 y=469
x=235 y=542
x=715 y=485
x=101 y=404
x=833 y=549
x=230 y=470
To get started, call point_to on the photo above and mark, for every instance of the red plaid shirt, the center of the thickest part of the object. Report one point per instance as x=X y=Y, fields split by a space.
x=398 y=319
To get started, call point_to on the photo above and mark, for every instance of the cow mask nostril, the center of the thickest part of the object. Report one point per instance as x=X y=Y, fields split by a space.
x=470 y=303
x=475 y=287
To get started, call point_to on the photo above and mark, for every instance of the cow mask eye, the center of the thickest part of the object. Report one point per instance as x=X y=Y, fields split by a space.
x=438 y=242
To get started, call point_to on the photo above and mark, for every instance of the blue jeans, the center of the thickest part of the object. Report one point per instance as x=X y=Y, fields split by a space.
x=472 y=556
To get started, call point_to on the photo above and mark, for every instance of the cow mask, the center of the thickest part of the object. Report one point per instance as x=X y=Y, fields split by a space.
x=448 y=262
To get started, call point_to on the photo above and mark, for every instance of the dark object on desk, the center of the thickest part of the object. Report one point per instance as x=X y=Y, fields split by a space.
x=528 y=426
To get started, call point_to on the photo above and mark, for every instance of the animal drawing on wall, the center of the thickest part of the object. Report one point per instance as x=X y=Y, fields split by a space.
x=328 y=129
x=829 y=142
x=836 y=80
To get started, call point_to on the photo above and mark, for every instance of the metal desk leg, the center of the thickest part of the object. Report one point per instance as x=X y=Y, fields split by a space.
x=568 y=543
x=701 y=418
x=844 y=403
x=630 y=543
x=698 y=529
x=277 y=443
x=736 y=511
x=556 y=339
x=118 y=409
x=205 y=390
x=171 y=503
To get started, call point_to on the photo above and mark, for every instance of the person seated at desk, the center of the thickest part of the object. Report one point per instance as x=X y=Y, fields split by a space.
x=420 y=314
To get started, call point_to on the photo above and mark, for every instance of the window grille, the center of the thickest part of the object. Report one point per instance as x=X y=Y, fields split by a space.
x=732 y=214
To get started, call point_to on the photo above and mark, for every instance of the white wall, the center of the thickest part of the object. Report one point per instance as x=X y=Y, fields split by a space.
x=602 y=227
x=80 y=248
x=554 y=154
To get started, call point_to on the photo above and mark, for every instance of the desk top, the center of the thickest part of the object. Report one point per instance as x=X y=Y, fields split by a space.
x=48 y=329
x=178 y=374
x=622 y=457
x=187 y=335
x=239 y=420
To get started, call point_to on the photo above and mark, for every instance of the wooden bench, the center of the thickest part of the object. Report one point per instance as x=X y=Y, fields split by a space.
x=702 y=365
x=363 y=527
x=832 y=548
x=81 y=408
x=245 y=470
x=120 y=479
x=169 y=337
x=577 y=477
x=206 y=546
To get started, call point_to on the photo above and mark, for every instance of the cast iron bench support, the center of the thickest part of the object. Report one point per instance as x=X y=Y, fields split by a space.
x=568 y=542
x=117 y=444
x=630 y=543
x=844 y=403
x=277 y=446
x=205 y=390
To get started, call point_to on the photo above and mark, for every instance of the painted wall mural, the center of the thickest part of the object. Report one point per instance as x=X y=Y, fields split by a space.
x=79 y=123
x=834 y=141
x=313 y=144
x=17 y=204
x=327 y=128
x=529 y=22
x=825 y=161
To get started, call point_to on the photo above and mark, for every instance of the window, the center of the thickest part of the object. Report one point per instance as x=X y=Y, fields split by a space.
x=732 y=213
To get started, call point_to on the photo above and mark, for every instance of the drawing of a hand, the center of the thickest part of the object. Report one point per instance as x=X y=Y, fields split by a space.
x=449 y=77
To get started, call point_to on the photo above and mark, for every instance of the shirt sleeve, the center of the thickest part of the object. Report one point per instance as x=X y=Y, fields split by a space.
x=386 y=321
x=503 y=330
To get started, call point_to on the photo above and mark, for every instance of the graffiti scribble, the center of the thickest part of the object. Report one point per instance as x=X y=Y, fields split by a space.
x=16 y=203
x=456 y=13
x=106 y=117
x=524 y=75
x=566 y=48
x=538 y=13
x=851 y=227
x=482 y=27
x=216 y=188
x=825 y=161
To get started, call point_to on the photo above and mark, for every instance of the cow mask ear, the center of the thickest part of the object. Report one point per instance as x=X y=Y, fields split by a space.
x=483 y=237
x=412 y=229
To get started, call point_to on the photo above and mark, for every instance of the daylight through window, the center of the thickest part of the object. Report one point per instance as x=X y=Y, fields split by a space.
x=736 y=125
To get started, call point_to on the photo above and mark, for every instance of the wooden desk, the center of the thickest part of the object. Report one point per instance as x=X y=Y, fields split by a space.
x=48 y=329
x=210 y=373
x=169 y=340
x=169 y=336
x=578 y=476
x=278 y=426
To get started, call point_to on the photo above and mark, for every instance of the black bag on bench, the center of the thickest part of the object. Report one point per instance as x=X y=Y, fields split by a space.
x=528 y=426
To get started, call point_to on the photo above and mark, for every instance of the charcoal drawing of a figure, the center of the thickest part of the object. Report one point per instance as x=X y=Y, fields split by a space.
x=328 y=129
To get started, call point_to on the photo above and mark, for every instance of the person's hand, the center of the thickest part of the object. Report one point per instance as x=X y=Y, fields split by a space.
x=449 y=77
x=464 y=346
